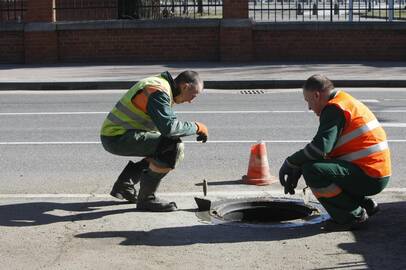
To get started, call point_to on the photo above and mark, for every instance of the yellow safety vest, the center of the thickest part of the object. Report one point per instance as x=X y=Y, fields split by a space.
x=128 y=115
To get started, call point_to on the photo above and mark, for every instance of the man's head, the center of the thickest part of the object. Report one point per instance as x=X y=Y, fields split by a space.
x=316 y=92
x=189 y=84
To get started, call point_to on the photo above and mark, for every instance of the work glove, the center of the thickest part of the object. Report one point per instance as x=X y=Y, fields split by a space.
x=289 y=175
x=202 y=132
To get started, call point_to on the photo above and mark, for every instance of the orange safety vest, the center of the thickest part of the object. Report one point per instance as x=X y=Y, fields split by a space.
x=363 y=140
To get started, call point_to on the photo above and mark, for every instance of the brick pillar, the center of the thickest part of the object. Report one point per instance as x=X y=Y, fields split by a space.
x=235 y=9
x=236 y=38
x=40 y=36
x=40 y=11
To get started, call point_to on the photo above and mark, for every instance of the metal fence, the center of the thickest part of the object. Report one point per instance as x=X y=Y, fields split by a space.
x=137 y=9
x=12 y=10
x=327 y=10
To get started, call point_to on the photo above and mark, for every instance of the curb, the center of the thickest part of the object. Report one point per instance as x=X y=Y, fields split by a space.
x=225 y=85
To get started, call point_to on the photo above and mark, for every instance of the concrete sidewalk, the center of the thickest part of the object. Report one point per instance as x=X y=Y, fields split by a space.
x=101 y=233
x=216 y=75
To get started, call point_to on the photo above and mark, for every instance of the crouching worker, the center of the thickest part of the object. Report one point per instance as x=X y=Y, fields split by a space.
x=143 y=124
x=347 y=160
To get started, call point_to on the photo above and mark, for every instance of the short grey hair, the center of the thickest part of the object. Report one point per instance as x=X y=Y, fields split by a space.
x=319 y=83
x=188 y=76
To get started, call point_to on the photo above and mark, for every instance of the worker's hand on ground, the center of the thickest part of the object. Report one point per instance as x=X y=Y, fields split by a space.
x=289 y=176
x=202 y=132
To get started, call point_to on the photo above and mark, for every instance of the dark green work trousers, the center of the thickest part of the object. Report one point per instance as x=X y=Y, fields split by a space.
x=354 y=183
x=132 y=143
x=139 y=143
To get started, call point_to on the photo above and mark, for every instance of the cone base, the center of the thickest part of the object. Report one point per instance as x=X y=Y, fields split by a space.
x=257 y=181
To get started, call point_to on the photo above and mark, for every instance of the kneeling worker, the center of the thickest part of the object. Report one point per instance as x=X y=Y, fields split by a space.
x=143 y=124
x=347 y=160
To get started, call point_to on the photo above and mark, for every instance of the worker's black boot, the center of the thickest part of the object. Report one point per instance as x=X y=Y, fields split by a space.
x=370 y=206
x=147 y=201
x=123 y=188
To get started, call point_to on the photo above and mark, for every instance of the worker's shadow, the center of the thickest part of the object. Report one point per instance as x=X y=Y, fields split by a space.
x=205 y=234
x=42 y=213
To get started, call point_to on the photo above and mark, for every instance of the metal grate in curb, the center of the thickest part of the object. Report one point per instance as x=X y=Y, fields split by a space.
x=252 y=92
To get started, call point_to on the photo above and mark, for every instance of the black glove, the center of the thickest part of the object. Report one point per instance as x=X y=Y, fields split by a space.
x=293 y=174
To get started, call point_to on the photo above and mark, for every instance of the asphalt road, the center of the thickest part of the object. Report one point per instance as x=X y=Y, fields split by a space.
x=54 y=179
x=50 y=144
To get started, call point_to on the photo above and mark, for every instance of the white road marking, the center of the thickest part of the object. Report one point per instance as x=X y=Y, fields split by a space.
x=181 y=112
x=274 y=192
x=369 y=100
x=394 y=124
x=192 y=142
x=50 y=113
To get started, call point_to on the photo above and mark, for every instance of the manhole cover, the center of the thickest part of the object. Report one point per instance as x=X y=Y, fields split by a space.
x=277 y=212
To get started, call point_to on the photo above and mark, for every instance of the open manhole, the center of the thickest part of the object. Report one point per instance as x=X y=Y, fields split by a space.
x=277 y=212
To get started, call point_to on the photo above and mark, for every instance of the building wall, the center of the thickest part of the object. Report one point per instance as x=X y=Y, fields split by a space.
x=41 y=39
x=175 y=44
x=330 y=42
x=11 y=44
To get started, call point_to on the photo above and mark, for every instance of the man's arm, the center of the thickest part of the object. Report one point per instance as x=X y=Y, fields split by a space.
x=332 y=121
x=160 y=110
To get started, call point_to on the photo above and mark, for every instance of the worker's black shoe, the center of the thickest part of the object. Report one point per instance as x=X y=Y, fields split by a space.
x=123 y=188
x=153 y=204
x=370 y=206
x=357 y=224
x=124 y=191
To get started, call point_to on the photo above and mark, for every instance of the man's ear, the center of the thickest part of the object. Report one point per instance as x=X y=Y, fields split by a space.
x=317 y=95
x=182 y=86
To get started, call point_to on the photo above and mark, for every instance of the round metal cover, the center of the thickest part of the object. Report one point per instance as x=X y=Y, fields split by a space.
x=275 y=212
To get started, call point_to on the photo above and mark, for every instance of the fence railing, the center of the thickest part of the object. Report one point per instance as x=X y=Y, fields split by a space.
x=12 y=10
x=327 y=10
x=137 y=9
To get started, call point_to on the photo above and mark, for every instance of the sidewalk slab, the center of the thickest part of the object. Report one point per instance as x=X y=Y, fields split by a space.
x=216 y=75
x=94 y=233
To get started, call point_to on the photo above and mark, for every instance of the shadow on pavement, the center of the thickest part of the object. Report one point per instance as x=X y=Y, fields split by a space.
x=204 y=234
x=36 y=213
x=383 y=244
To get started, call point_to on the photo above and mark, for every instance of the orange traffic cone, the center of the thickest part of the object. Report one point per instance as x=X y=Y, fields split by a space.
x=258 y=167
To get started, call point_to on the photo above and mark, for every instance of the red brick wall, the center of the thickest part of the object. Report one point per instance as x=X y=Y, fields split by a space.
x=236 y=44
x=235 y=9
x=173 y=44
x=41 y=47
x=329 y=45
x=11 y=47
x=39 y=11
x=68 y=10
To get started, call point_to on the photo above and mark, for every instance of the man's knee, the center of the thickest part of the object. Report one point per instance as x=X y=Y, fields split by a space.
x=170 y=153
x=311 y=174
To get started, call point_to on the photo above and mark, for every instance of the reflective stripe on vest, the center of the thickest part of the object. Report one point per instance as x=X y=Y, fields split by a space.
x=122 y=108
x=363 y=140
x=365 y=152
x=358 y=132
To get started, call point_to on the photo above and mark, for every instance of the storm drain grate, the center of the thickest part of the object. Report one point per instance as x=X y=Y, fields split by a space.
x=252 y=92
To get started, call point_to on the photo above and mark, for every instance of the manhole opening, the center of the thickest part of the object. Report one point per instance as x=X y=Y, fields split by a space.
x=263 y=212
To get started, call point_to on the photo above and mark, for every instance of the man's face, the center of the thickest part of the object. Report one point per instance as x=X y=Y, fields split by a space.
x=188 y=92
x=314 y=101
